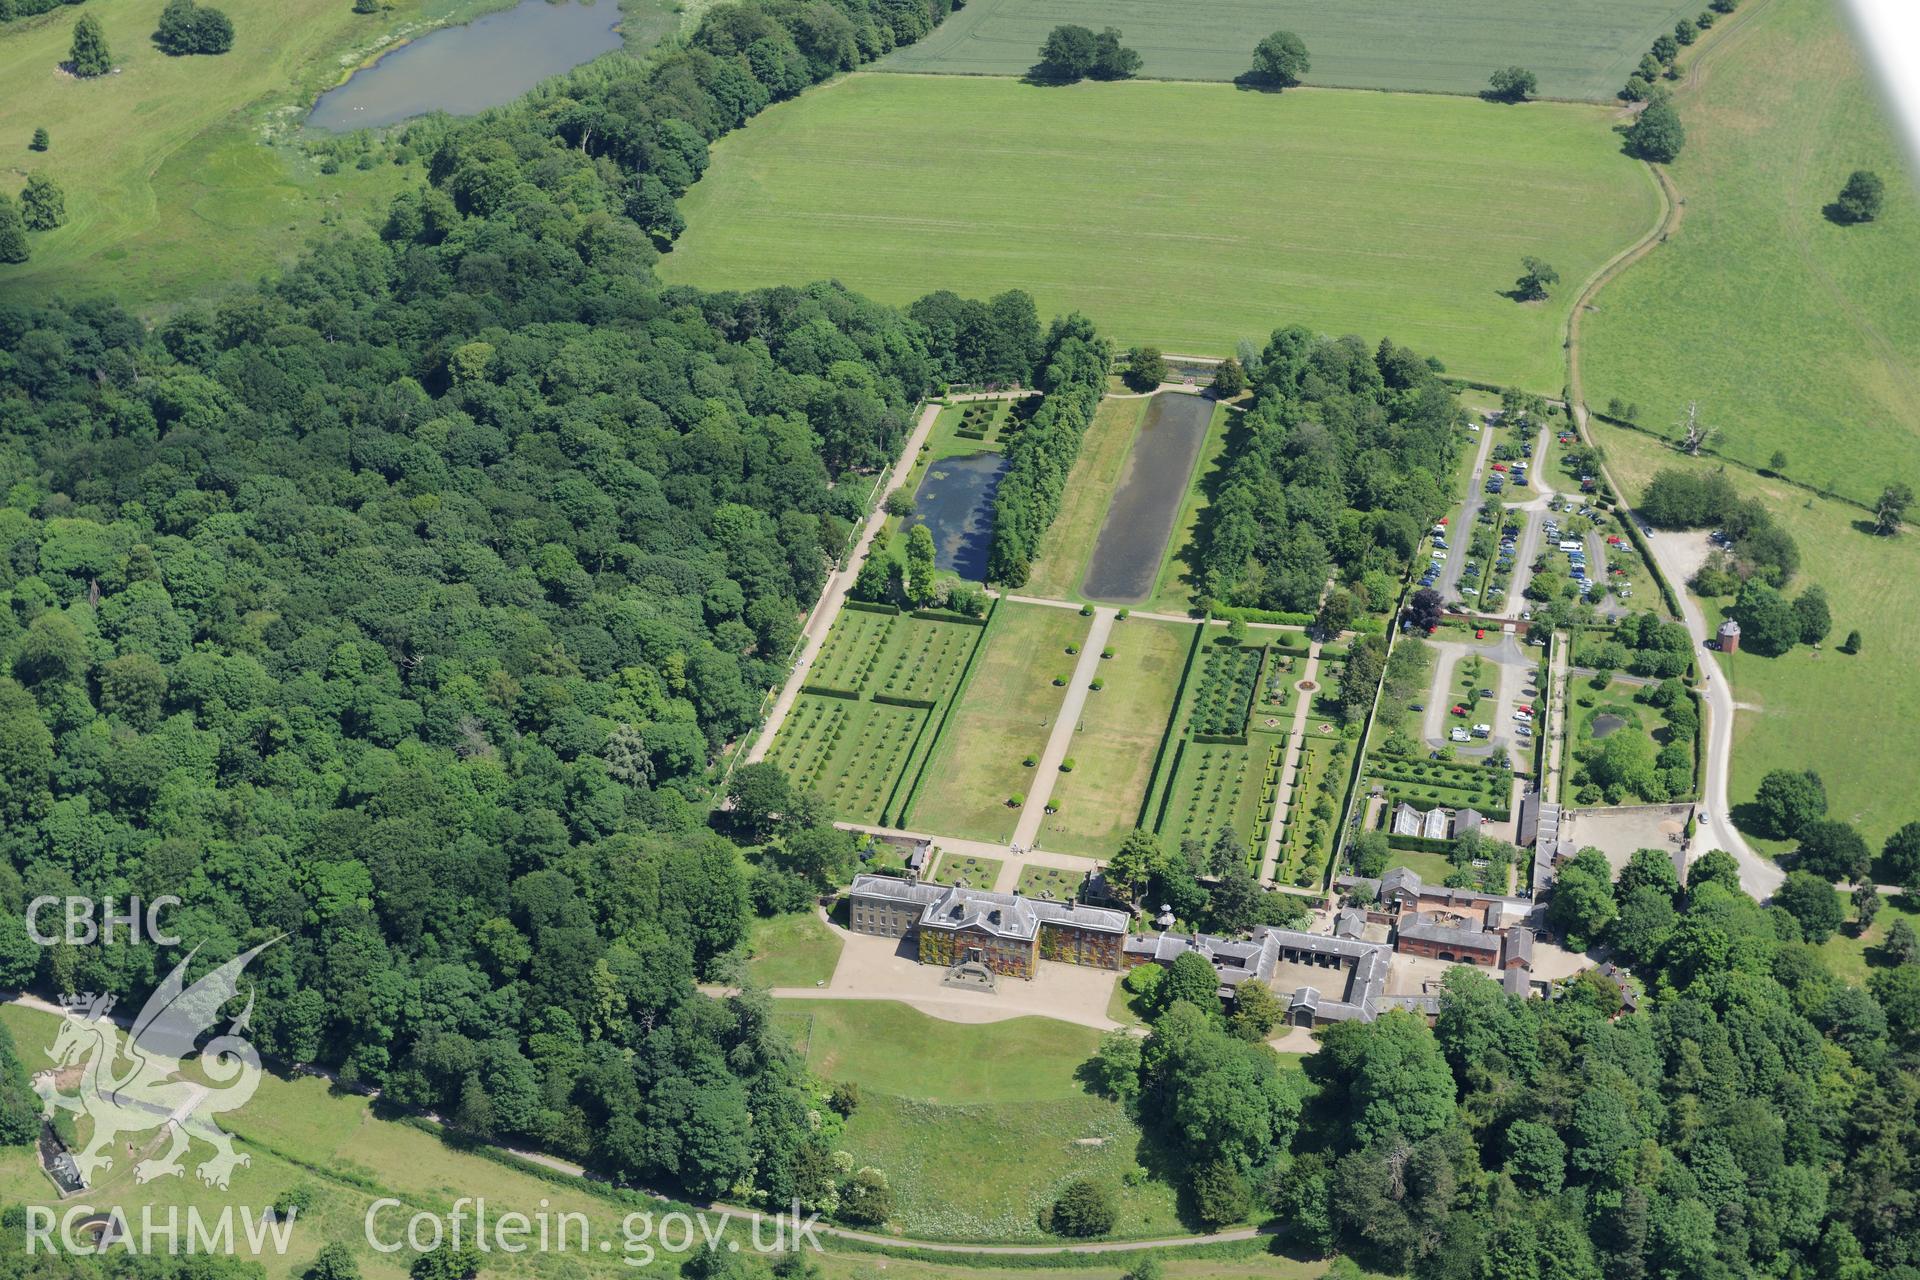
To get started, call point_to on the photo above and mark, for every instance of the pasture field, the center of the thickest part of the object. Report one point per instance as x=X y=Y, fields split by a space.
x=1188 y=216
x=1579 y=48
x=1117 y=742
x=977 y=1126
x=171 y=190
x=300 y=1133
x=1850 y=718
x=1788 y=328
x=1104 y=449
x=1004 y=715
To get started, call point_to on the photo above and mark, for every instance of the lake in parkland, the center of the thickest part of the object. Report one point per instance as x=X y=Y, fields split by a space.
x=464 y=70
x=1126 y=558
x=955 y=503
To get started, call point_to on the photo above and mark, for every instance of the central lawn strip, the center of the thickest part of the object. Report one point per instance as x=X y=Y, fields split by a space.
x=1177 y=588
x=1788 y=328
x=1849 y=717
x=965 y=868
x=1180 y=214
x=1115 y=744
x=1146 y=505
x=977 y=1126
x=1005 y=715
x=1104 y=451
x=1579 y=48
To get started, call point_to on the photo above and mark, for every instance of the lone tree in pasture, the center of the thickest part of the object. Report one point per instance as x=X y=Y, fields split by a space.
x=186 y=27
x=43 y=206
x=88 y=55
x=1861 y=198
x=1280 y=59
x=1537 y=278
x=40 y=140
x=1512 y=84
x=1657 y=135
x=13 y=233
x=1891 y=511
x=1068 y=52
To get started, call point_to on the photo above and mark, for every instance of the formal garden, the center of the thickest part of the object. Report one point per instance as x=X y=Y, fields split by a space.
x=851 y=753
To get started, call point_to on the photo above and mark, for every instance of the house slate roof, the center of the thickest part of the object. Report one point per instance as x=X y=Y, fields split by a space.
x=1006 y=915
x=1236 y=961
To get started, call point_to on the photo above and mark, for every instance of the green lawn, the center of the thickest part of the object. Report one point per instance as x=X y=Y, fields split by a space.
x=1004 y=716
x=979 y=873
x=1853 y=957
x=976 y=1125
x=1188 y=216
x=1049 y=882
x=1579 y=48
x=1103 y=457
x=794 y=950
x=1850 y=718
x=1791 y=331
x=1117 y=741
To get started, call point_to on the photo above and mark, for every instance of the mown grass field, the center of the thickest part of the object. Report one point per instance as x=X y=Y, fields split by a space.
x=1855 y=720
x=1062 y=563
x=1006 y=714
x=299 y=1133
x=1116 y=742
x=1187 y=216
x=1579 y=48
x=977 y=1125
x=1791 y=331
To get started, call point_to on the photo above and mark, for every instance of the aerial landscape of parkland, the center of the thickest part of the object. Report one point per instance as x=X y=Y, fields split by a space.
x=913 y=640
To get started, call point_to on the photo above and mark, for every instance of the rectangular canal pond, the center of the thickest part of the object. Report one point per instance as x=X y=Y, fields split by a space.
x=1126 y=559
x=955 y=503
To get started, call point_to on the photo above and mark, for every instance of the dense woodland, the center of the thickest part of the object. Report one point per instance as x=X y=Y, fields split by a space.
x=401 y=606
x=1336 y=471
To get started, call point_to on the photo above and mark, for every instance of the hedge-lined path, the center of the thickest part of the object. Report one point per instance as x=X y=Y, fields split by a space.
x=1290 y=772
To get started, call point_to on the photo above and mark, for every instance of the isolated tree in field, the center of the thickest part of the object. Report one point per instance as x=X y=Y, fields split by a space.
x=1512 y=84
x=1891 y=511
x=1778 y=462
x=920 y=589
x=13 y=232
x=186 y=27
x=1861 y=198
x=1811 y=900
x=1068 y=52
x=1902 y=943
x=1229 y=379
x=1866 y=904
x=43 y=206
x=1111 y=59
x=1657 y=135
x=1852 y=643
x=88 y=55
x=1086 y=1207
x=1790 y=799
x=1280 y=59
x=1146 y=368
x=1536 y=279
x=40 y=140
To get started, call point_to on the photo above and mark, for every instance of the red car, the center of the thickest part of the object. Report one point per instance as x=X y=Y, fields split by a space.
x=1499 y=466
x=1480 y=633
x=1459 y=710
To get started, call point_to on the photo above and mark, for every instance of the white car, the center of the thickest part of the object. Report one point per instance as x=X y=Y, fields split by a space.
x=1523 y=731
x=1458 y=734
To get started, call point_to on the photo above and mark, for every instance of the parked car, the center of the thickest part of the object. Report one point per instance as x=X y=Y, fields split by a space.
x=1458 y=734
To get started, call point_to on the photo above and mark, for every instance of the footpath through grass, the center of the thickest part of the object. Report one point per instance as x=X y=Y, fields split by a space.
x=1853 y=719
x=1579 y=48
x=1793 y=332
x=1188 y=216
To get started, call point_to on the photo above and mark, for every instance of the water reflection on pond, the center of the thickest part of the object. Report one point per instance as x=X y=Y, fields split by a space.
x=955 y=503
x=467 y=69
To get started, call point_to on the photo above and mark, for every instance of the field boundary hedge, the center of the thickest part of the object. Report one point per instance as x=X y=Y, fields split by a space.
x=869 y=606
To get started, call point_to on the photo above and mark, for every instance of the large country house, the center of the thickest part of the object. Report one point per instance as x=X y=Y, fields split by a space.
x=1007 y=932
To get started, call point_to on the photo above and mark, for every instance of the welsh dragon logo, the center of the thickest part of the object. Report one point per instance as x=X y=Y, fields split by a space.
x=128 y=1083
